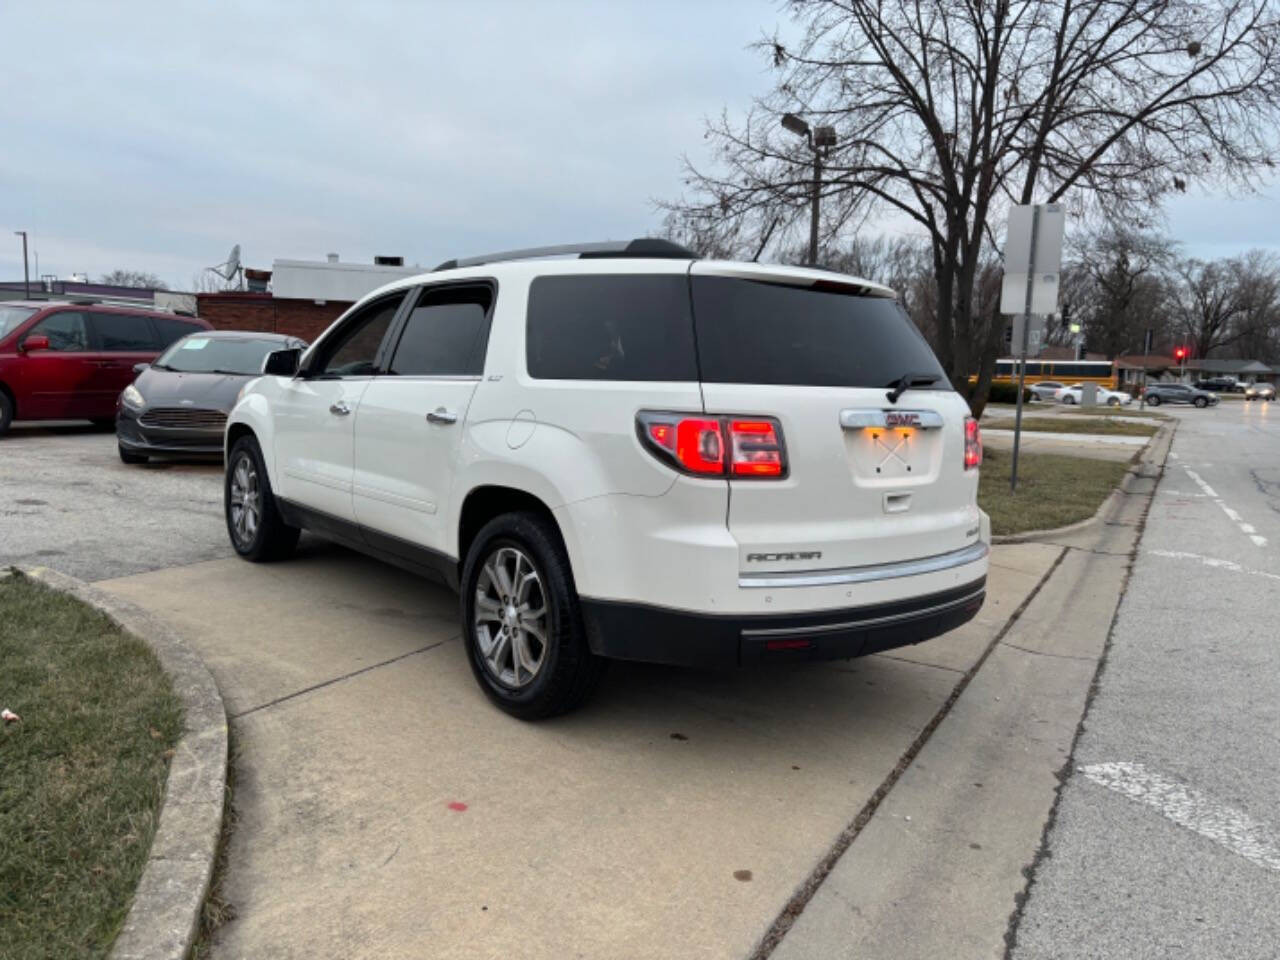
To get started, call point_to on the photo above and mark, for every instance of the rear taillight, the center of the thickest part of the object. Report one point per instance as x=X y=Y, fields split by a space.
x=739 y=447
x=972 y=444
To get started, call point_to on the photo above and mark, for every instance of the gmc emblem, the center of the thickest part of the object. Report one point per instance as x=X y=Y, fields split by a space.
x=779 y=557
x=897 y=418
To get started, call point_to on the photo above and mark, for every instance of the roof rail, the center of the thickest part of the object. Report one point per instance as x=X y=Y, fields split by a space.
x=642 y=247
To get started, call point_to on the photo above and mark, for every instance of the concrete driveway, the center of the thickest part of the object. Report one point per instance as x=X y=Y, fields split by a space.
x=387 y=810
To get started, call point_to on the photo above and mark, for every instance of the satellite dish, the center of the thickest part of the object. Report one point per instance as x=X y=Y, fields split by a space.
x=230 y=267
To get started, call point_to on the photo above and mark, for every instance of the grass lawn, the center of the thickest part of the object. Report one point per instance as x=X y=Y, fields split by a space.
x=1053 y=490
x=1102 y=425
x=81 y=776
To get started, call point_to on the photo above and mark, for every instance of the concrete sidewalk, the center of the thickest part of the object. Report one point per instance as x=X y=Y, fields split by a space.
x=387 y=810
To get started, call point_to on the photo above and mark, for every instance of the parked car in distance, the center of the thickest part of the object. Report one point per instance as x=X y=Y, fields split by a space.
x=1075 y=394
x=1045 y=389
x=1158 y=393
x=62 y=360
x=178 y=405
x=1260 y=391
x=1219 y=384
x=620 y=455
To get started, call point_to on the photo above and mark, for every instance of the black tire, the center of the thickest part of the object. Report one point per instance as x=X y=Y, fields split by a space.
x=270 y=538
x=6 y=413
x=128 y=456
x=1069 y=400
x=1201 y=402
x=1154 y=401
x=567 y=672
x=1113 y=402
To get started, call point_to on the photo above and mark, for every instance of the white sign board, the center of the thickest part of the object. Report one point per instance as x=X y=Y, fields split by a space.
x=1035 y=334
x=1018 y=268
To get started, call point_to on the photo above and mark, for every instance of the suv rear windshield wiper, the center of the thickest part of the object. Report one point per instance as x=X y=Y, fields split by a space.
x=907 y=381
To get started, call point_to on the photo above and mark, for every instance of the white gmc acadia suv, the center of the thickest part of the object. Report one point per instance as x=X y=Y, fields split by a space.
x=622 y=451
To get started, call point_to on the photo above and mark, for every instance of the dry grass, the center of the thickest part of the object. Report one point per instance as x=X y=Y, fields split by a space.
x=1117 y=426
x=81 y=777
x=1053 y=490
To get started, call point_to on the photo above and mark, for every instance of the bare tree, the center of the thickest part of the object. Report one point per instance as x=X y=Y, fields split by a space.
x=133 y=278
x=1209 y=304
x=1118 y=288
x=947 y=111
x=1257 y=277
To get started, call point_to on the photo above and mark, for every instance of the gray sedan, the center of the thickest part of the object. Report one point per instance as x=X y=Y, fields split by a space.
x=178 y=405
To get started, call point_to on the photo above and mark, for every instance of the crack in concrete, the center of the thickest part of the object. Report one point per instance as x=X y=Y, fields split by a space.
x=1046 y=653
x=345 y=676
x=810 y=886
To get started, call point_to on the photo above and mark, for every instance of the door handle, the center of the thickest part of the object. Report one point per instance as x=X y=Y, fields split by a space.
x=339 y=409
x=441 y=415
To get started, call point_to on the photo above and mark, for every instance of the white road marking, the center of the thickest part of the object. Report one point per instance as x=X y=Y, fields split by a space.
x=1213 y=562
x=1245 y=528
x=1225 y=825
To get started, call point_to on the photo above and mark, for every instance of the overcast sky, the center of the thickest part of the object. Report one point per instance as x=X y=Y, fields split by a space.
x=153 y=136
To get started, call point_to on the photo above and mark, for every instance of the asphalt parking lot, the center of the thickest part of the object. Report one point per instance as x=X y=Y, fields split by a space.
x=67 y=502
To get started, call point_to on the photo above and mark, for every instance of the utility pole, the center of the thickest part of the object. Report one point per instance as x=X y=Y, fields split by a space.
x=813 y=213
x=26 y=272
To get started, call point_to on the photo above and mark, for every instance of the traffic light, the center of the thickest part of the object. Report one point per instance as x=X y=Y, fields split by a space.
x=1180 y=354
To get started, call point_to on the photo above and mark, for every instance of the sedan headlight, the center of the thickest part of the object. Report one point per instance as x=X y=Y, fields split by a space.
x=132 y=397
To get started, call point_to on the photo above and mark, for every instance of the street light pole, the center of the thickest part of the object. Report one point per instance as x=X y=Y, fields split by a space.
x=813 y=214
x=820 y=141
x=26 y=273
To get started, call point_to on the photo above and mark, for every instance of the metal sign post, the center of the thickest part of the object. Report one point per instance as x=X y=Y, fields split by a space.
x=1038 y=229
x=1146 y=350
x=1022 y=351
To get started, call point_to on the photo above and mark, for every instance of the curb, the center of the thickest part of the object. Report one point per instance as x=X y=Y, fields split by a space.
x=1150 y=463
x=165 y=915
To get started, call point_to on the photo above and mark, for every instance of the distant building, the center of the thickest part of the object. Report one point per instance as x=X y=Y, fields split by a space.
x=305 y=296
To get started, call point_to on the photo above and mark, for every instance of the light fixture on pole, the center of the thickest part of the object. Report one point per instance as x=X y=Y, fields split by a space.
x=820 y=140
x=26 y=273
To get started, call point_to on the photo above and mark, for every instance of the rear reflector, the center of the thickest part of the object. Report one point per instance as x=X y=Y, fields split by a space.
x=741 y=448
x=788 y=644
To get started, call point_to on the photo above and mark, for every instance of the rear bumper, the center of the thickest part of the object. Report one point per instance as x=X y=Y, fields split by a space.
x=634 y=631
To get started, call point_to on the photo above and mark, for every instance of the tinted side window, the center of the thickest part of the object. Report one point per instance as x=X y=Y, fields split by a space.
x=171 y=329
x=611 y=327
x=445 y=335
x=122 y=332
x=353 y=351
x=754 y=332
x=66 y=330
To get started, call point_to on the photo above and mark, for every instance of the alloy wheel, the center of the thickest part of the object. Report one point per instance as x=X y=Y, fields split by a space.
x=511 y=619
x=246 y=500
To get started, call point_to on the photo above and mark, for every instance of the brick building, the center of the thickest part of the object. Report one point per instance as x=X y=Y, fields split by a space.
x=262 y=312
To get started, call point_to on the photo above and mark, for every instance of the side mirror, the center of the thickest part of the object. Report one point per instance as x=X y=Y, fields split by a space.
x=37 y=341
x=282 y=363
x=139 y=367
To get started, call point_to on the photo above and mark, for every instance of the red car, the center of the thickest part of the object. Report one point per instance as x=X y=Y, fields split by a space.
x=69 y=361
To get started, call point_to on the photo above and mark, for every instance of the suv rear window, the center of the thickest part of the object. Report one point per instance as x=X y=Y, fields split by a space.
x=172 y=329
x=123 y=332
x=755 y=332
x=611 y=327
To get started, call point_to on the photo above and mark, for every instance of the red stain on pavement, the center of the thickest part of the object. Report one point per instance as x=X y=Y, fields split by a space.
x=455 y=805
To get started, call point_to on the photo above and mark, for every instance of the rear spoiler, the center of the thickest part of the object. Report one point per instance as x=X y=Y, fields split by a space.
x=814 y=278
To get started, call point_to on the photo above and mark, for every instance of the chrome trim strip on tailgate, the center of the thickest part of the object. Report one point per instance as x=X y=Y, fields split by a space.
x=854 y=419
x=876 y=571
x=870 y=622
